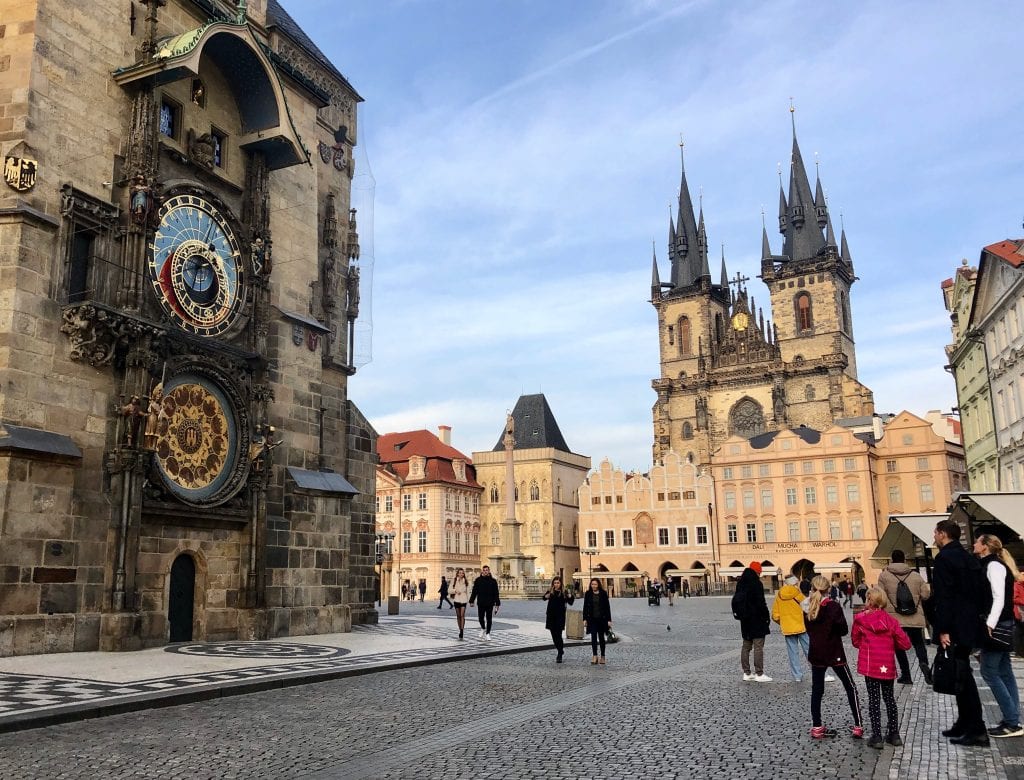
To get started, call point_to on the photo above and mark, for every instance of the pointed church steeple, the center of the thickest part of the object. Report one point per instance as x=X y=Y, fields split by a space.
x=803 y=239
x=766 y=248
x=702 y=242
x=783 y=209
x=820 y=208
x=724 y=284
x=685 y=267
x=844 y=251
x=830 y=234
x=655 y=277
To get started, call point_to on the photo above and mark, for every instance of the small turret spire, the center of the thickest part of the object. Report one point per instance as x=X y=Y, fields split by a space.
x=725 y=274
x=655 y=277
x=766 y=248
x=844 y=251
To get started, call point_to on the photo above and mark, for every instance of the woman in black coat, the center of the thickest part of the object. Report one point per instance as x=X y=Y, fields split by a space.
x=597 y=617
x=558 y=599
x=750 y=608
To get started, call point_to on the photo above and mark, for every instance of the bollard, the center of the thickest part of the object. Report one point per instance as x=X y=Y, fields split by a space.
x=392 y=605
x=573 y=624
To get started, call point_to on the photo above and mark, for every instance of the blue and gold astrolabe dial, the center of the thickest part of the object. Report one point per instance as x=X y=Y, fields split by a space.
x=196 y=266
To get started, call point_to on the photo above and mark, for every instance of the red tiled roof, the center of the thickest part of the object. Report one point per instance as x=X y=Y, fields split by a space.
x=1010 y=250
x=395 y=449
x=947 y=283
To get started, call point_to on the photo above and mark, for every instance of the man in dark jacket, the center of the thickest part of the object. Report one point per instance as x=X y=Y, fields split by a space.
x=956 y=623
x=485 y=595
x=750 y=608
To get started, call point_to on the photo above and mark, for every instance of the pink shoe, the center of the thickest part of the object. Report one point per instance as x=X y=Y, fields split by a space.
x=857 y=732
x=820 y=732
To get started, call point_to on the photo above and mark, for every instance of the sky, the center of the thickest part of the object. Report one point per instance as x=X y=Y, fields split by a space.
x=518 y=160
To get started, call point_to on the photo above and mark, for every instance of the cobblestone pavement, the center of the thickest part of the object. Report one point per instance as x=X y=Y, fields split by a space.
x=669 y=704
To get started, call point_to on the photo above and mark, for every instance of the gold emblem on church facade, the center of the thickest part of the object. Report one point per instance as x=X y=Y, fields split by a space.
x=20 y=172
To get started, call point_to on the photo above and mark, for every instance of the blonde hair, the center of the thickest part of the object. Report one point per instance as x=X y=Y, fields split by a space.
x=819 y=587
x=995 y=546
x=876 y=598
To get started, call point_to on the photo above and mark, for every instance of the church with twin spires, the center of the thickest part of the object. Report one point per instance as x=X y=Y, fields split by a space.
x=727 y=368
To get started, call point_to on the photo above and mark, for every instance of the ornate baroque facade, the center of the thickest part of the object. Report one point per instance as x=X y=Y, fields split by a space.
x=727 y=370
x=179 y=457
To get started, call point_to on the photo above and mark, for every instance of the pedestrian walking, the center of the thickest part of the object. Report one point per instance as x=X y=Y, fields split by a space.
x=670 y=590
x=826 y=627
x=1001 y=574
x=405 y=590
x=862 y=591
x=443 y=590
x=423 y=589
x=847 y=588
x=877 y=635
x=460 y=596
x=750 y=608
x=686 y=589
x=956 y=577
x=597 y=618
x=905 y=590
x=485 y=595
x=558 y=599
x=787 y=612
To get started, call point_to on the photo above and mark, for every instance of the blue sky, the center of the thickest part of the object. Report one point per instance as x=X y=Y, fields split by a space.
x=525 y=155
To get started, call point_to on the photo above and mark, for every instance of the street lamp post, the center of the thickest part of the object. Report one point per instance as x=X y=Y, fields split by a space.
x=382 y=547
x=590 y=552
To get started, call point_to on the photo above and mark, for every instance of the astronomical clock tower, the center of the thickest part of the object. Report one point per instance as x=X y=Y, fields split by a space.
x=179 y=457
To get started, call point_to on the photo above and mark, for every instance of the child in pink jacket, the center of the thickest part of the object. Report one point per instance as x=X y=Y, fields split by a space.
x=877 y=635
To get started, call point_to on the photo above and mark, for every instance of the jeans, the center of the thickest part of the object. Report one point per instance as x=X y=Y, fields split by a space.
x=797 y=645
x=998 y=673
x=757 y=645
x=916 y=636
x=597 y=637
x=486 y=617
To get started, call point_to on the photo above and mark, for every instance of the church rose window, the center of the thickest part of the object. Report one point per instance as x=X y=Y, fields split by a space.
x=747 y=418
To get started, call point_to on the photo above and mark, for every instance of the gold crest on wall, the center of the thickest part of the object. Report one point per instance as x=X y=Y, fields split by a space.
x=20 y=172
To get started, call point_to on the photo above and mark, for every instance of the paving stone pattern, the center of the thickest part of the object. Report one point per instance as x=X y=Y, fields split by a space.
x=669 y=704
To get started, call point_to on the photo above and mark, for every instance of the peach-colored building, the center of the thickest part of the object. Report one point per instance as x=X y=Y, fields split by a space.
x=429 y=499
x=642 y=526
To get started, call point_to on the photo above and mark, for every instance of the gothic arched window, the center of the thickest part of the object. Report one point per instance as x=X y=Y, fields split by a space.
x=494 y=493
x=809 y=392
x=685 y=337
x=534 y=492
x=495 y=534
x=746 y=418
x=535 y=533
x=844 y=307
x=804 y=316
x=687 y=430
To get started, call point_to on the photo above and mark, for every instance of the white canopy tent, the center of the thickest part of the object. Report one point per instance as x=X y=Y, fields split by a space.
x=1006 y=508
x=687 y=572
x=905 y=532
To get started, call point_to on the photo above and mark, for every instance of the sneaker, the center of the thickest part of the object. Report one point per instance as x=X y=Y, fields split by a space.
x=487 y=637
x=820 y=732
x=482 y=633
x=829 y=678
x=905 y=681
x=748 y=677
x=857 y=732
x=894 y=740
x=1006 y=730
x=875 y=742
x=762 y=678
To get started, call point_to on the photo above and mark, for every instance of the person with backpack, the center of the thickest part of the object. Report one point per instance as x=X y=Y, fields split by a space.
x=1000 y=573
x=906 y=590
x=957 y=595
x=750 y=608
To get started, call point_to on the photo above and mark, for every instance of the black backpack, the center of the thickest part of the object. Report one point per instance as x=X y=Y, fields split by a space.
x=905 y=604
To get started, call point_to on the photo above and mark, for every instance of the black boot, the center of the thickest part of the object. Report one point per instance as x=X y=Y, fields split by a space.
x=927 y=675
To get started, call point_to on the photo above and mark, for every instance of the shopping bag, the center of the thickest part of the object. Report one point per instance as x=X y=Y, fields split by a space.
x=948 y=673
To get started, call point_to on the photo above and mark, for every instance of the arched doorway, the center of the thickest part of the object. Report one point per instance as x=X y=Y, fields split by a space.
x=803 y=569
x=181 y=603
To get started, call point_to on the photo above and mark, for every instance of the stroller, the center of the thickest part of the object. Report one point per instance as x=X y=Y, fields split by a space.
x=653 y=596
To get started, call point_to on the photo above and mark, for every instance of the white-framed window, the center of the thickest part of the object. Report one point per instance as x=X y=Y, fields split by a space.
x=727 y=472
x=627 y=537
x=808 y=467
x=702 y=534
x=769 y=531
x=852 y=493
x=790 y=496
x=389 y=503
x=764 y=470
x=829 y=465
x=609 y=538
x=895 y=496
x=927 y=494
x=856 y=528
x=751 y=532
x=813 y=533
x=732 y=533
x=662 y=537
x=748 y=499
x=422 y=500
x=810 y=495
x=794 y=530
x=422 y=546
x=448 y=501
x=407 y=541
x=682 y=535
x=890 y=466
x=922 y=463
x=406 y=502
x=730 y=499
x=832 y=494
x=746 y=472
x=495 y=534
x=766 y=498
x=849 y=464
x=458 y=542
x=835 y=528
x=535 y=532
x=789 y=468
x=591 y=538
x=376 y=504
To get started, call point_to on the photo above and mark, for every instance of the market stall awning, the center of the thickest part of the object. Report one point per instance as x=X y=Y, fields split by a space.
x=841 y=567
x=687 y=572
x=736 y=571
x=905 y=532
x=1007 y=508
x=606 y=575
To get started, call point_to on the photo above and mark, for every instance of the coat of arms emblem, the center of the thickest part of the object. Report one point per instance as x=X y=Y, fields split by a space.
x=20 y=172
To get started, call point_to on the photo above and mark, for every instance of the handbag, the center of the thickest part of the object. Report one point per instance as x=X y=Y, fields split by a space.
x=1001 y=640
x=948 y=673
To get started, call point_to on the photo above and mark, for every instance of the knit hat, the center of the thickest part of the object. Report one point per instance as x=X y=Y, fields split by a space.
x=791 y=580
x=756 y=566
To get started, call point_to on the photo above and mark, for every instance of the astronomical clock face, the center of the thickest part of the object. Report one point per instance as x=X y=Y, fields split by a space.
x=196 y=266
x=198 y=446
